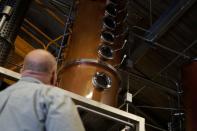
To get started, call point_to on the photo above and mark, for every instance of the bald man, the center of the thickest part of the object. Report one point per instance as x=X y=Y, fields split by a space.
x=33 y=103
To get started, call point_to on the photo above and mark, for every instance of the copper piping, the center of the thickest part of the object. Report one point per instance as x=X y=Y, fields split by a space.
x=53 y=42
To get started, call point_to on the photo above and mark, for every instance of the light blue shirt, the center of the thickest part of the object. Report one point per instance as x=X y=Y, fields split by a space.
x=29 y=105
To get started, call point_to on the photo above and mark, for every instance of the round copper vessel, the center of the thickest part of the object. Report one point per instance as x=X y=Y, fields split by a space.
x=92 y=79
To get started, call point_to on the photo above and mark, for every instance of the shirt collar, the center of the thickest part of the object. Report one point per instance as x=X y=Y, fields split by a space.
x=30 y=79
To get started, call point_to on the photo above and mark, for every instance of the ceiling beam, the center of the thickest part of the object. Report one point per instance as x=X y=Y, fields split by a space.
x=168 y=18
x=152 y=84
x=161 y=26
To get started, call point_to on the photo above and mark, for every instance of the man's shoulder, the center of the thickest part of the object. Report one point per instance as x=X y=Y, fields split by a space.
x=32 y=87
x=53 y=89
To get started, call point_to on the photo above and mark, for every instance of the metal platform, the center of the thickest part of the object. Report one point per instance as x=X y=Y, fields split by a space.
x=94 y=107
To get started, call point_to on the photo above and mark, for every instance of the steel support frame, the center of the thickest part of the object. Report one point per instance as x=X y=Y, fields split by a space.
x=150 y=82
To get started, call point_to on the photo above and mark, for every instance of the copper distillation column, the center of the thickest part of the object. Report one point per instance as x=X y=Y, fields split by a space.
x=94 y=50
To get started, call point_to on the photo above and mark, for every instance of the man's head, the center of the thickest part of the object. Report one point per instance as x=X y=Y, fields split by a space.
x=40 y=64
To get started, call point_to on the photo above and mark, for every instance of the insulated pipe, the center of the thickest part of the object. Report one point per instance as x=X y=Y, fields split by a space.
x=189 y=79
x=10 y=28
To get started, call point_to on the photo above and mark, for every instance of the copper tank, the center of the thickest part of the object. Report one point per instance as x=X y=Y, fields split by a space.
x=189 y=78
x=89 y=60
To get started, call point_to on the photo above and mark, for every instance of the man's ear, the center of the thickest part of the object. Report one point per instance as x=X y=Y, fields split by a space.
x=53 y=79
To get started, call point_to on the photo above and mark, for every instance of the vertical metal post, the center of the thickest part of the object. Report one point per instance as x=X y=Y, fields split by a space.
x=64 y=39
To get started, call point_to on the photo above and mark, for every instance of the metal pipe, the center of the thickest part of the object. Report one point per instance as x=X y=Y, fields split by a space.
x=121 y=106
x=171 y=50
x=119 y=64
x=160 y=108
x=150 y=6
x=53 y=42
x=179 y=91
x=159 y=86
x=140 y=28
x=162 y=46
x=155 y=127
x=125 y=42
x=138 y=91
x=178 y=111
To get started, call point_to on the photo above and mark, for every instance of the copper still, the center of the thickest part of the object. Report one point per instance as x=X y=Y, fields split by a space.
x=189 y=78
x=93 y=52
